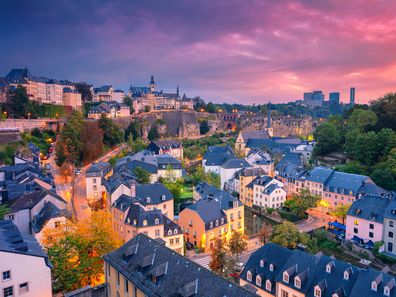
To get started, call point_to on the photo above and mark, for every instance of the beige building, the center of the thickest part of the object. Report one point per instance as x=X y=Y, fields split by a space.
x=71 y=98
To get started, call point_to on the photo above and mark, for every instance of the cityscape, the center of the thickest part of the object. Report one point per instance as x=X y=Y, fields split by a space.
x=198 y=149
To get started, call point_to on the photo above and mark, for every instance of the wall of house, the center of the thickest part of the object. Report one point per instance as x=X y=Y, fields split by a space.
x=235 y=219
x=390 y=242
x=226 y=175
x=174 y=173
x=260 y=292
x=363 y=228
x=166 y=207
x=112 y=276
x=207 y=169
x=131 y=231
x=336 y=199
x=48 y=226
x=197 y=225
x=25 y=268
x=175 y=242
x=280 y=288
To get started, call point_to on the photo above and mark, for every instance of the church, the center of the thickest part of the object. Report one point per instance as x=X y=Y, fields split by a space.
x=148 y=98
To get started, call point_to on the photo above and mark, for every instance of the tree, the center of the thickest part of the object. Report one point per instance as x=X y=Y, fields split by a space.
x=3 y=211
x=384 y=178
x=300 y=202
x=265 y=232
x=218 y=257
x=287 y=235
x=198 y=104
x=153 y=133
x=341 y=211
x=85 y=91
x=76 y=253
x=204 y=127
x=352 y=167
x=142 y=175
x=112 y=133
x=237 y=243
x=210 y=107
x=147 y=108
x=134 y=127
x=92 y=138
x=362 y=120
x=328 y=139
x=128 y=101
x=175 y=187
x=138 y=145
x=211 y=177
x=19 y=104
x=385 y=109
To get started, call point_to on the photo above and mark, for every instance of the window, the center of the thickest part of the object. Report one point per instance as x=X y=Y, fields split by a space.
x=11 y=217
x=23 y=288
x=217 y=223
x=374 y=286
x=144 y=222
x=346 y=275
x=371 y=226
x=157 y=232
x=271 y=267
x=94 y=180
x=6 y=275
x=297 y=283
x=285 y=277
x=258 y=280
x=118 y=278
x=169 y=232
x=371 y=234
x=386 y=291
x=356 y=222
x=95 y=188
x=232 y=217
x=177 y=240
x=211 y=225
x=249 y=276
x=355 y=230
x=390 y=234
x=190 y=223
x=126 y=285
x=171 y=242
x=284 y=293
x=8 y=292
x=268 y=285
x=391 y=224
x=222 y=220
x=261 y=263
x=317 y=292
x=57 y=224
x=156 y=221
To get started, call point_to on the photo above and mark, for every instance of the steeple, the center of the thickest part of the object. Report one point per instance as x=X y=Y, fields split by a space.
x=152 y=82
x=177 y=91
x=269 y=115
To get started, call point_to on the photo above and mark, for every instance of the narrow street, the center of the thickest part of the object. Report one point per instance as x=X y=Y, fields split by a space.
x=64 y=186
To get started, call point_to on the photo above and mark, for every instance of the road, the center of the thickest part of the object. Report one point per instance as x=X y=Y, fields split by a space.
x=316 y=219
x=64 y=186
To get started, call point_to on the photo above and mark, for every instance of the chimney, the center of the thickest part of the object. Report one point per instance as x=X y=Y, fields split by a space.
x=133 y=188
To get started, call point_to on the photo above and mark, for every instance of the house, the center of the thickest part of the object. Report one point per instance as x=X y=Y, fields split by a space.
x=118 y=95
x=244 y=136
x=267 y=192
x=169 y=167
x=95 y=177
x=111 y=109
x=33 y=212
x=365 y=219
x=167 y=146
x=229 y=168
x=203 y=190
x=274 y=270
x=145 y=267
x=71 y=98
x=244 y=177
x=103 y=93
x=24 y=266
x=212 y=217
x=261 y=159
x=215 y=156
x=389 y=227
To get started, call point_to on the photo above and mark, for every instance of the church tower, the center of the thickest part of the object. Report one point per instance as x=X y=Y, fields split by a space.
x=152 y=84
x=177 y=91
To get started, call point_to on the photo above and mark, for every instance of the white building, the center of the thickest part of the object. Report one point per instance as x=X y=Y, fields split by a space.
x=24 y=267
x=229 y=168
x=95 y=187
x=268 y=192
x=118 y=95
x=215 y=156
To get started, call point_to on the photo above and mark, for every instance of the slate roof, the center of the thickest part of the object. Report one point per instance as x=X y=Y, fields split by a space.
x=170 y=227
x=49 y=211
x=136 y=216
x=204 y=189
x=209 y=210
x=29 y=200
x=260 y=180
x=257 y=171
x=99 y=167
x=12 y=241
x=271 y=144
x=123 y=202
x=165 y=144
x=103 y=89
x=166 y=159
x=318 y=175
x=347 y=183
x=235 y=163
x=18 y=76
x=181 y=278
x=311 y=269
x=254 y=134
x=369 y=207
x=157 y=193
x=217 y=155
x=132 y=165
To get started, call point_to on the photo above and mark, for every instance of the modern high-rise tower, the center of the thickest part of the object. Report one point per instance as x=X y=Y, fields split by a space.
x=352 y=96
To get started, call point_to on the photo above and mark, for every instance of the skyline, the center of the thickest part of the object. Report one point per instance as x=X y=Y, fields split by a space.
x=234 y=51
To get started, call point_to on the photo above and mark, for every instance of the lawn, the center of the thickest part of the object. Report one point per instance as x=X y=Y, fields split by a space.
x=187 y=192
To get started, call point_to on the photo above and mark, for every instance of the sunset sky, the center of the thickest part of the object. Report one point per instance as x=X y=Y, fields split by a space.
x=223 y=50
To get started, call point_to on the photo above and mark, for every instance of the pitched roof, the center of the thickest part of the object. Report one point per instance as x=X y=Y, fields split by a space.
x=173 y=281
x=139 y=217
x=12 y=241
x=370 y=208
x=204 y=189
x=235 y=163
x=29 y=200
x=170 y=227
x=254 y=134
x=157 y=193
x=49 y=211
x=318 y=175
x=209 y=210
x=217 y=155
x=98 y=167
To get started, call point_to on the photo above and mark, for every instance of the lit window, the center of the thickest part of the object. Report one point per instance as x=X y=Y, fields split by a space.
x=268 y=285
x=258 y=280
x=297 y=283
x=249 y=276
x=318 y=292
x=285 y=277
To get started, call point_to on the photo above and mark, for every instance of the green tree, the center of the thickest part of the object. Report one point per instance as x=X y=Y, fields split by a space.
x=352 y=167
x=362 y=120
x=112 y=133
x=341 y=211
x=384 y=178
x=128 y=101
x=134 y=127
x=300 y=202
x=211 y=177
x=210 y=107
x=204 y=127
x=138 y=145
x=328 y=138
x=218 y=257
x=287 y=235
x=142 y=175
x=175 y=187
x=153 y=133
x=237 y=243
x=19 y=104
x=3 y=211
x=385 y=109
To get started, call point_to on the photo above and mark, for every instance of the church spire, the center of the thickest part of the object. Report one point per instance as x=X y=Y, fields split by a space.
x=152 y=82
x=177 y=91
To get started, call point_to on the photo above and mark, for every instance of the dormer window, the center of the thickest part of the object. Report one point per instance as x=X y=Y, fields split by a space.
x=374 y=286
x=329 y=267
x=258 y=280
x=261 y=263
x=169 y=232
x=271 y=268
x=129 y=220
x=317 y=292
x=297 y=282
x=163 y=197
x=286 y=277
x=148 y=200
x=175 y=231
x=144 y=222
x=346 y=274
x=156 y=221
x=222 y=221
x=249 y=276
x=211 y=225
x=235 y=204
x=134 y=222
x=268 y=285
x=386 y=291
x=217 y=223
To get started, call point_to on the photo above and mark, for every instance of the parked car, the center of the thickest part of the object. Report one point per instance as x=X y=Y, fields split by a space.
x=238 y=267
x=77 y=171
x=189 y=246
x=48 y=166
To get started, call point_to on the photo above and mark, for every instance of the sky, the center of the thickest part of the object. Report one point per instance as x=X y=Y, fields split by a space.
x=242 y=51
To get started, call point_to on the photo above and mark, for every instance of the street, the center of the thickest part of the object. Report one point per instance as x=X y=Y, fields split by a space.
x=64 y=186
